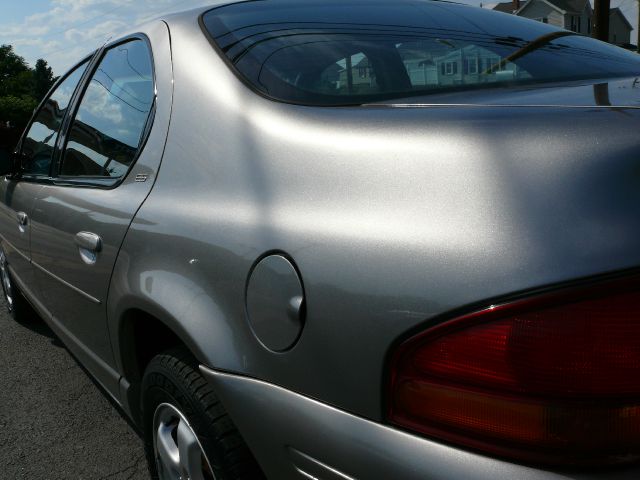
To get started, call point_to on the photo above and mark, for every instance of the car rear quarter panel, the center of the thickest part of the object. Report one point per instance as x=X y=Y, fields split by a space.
x=394 y=217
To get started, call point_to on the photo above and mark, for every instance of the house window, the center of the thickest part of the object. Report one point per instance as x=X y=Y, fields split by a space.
x=575 y=23
x=471 y=66
x=589 y=25
x=346 y=76
x=493 y=63
x=542 y=19
x=450 y=68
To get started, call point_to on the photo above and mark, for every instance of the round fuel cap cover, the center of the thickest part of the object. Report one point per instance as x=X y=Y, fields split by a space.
x=274 y=301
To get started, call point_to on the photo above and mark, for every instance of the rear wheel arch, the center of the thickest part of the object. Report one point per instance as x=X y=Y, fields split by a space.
x=142 y=336
x=148 y=316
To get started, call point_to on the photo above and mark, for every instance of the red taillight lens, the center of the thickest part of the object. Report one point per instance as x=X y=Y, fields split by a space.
x=552 y=379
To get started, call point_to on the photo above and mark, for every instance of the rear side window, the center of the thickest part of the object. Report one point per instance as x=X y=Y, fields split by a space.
x=109 y=126
x=40 y=140
x=351 y=52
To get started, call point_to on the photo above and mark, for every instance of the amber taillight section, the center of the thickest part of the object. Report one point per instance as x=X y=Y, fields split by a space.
x=552 y=379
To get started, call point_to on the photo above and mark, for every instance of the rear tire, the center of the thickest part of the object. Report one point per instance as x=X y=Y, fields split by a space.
x=178 y=404
x=18 y=306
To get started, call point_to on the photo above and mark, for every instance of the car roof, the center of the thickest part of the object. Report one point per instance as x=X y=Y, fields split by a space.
x=197 y=11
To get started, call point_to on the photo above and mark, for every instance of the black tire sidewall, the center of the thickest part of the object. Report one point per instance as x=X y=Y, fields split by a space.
x=164 y=385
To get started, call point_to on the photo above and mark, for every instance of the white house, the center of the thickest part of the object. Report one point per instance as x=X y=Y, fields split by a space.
x=574 y=15
x=619 y=28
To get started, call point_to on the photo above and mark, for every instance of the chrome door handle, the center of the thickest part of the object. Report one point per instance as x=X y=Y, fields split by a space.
x=88 y=241
x=23 y=219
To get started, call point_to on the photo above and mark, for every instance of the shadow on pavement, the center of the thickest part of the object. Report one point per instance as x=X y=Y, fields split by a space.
x=35 y=323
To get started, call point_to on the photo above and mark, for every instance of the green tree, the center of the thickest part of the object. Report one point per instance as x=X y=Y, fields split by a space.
x=21 y=88
x=43 y=79
x=17 y=110
x=16 y=78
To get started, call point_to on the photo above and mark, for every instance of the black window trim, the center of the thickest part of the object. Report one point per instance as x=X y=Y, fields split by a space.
x=227 y=61
x=100 y=181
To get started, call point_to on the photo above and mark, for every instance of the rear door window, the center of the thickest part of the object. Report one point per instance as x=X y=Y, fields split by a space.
x=109 y=126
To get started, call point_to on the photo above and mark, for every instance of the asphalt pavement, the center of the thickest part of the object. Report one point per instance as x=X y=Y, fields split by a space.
x=55 y=423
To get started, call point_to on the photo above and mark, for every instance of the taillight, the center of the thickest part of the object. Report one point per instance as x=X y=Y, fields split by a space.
x=552 y=379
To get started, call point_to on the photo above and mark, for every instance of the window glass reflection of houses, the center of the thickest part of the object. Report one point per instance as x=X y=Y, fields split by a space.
x=352 y=74
x=364 y=66
x=468 y=65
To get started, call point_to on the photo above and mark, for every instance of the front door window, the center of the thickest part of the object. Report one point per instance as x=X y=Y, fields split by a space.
x=40 y=140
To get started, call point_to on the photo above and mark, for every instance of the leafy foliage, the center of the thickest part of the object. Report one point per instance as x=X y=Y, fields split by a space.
x=43 y=79
x=15 y=74
x=21 y=87
x=17 y=110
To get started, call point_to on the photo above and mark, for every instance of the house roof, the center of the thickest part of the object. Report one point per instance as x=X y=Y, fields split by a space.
x=570 y=5
x=617 y=11
x=506 y=7
x=563 y=6
x=362 y=63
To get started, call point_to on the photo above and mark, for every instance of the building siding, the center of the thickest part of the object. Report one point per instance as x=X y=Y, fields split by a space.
x=556 y=19
x=619 y=32
x=583 y=25
x=538 y=9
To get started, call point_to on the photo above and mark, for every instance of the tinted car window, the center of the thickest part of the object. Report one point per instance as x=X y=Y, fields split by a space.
x=351 y=52
x=39 y=142
x=107 y=131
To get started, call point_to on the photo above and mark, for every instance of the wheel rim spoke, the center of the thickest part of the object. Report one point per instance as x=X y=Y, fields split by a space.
x=167 y=454
x=6 y=283
x=190 y=453
x=178 y=453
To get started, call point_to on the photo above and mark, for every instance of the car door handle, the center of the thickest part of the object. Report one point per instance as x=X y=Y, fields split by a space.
x=89 y=241
x=23 y=219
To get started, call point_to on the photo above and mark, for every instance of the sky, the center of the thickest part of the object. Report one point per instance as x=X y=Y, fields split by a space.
x=63 y=31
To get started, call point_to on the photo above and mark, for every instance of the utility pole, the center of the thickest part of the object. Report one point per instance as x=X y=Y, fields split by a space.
x=601 y=19
x=638 y=28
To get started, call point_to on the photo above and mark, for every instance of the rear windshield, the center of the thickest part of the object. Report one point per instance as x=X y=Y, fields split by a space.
x=350 y=52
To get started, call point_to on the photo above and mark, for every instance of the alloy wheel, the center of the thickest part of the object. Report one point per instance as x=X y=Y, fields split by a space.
x=6 y=281
x=177 y=450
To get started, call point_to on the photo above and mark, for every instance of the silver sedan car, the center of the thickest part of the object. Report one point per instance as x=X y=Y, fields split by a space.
x=375 y=239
